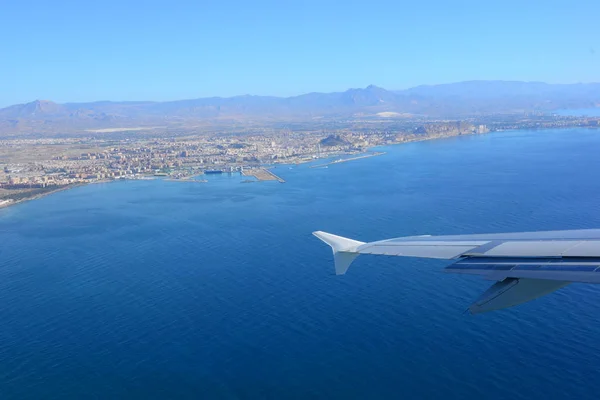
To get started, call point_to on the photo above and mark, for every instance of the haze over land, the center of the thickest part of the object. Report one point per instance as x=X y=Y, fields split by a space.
x=448 y=101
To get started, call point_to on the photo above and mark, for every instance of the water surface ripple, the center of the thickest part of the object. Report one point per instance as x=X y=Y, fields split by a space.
x=157 y=289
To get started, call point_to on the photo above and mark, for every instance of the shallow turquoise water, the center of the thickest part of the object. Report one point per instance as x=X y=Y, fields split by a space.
x=157 y=289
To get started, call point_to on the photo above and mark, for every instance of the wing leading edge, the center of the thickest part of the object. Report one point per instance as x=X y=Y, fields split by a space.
x=526 y=265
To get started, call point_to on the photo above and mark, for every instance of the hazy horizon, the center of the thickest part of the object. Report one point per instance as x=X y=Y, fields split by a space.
x=296 y=94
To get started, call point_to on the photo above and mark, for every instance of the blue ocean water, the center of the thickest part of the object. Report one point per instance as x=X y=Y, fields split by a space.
x=158 y=289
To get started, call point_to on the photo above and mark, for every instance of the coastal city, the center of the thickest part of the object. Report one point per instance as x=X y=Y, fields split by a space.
x=31 y=167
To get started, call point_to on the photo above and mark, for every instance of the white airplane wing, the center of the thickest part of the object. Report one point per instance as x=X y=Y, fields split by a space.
x=526 y=265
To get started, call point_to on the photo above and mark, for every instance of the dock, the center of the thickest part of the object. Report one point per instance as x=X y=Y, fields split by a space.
x=343 y=160
x=186 y=180
x=262 y=174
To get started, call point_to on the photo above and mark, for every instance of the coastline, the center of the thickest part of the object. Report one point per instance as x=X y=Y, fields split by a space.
x=370 y=151
x=262 y=170
x=44 y=194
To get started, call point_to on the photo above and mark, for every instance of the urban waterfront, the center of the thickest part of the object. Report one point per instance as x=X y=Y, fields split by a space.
x=161 y=289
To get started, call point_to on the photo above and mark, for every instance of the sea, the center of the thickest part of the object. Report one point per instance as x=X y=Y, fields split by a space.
x=154 y=289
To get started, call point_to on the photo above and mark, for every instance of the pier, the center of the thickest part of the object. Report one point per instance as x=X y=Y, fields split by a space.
x=186 y=180
x=342 y=160
x=262 y=174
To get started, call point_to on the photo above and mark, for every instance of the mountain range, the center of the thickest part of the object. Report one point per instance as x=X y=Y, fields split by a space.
x=455 y=100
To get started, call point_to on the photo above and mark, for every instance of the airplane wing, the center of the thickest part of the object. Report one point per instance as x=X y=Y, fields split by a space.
x=525 y=265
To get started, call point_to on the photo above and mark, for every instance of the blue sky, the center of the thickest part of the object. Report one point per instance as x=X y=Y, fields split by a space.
x=151 y=50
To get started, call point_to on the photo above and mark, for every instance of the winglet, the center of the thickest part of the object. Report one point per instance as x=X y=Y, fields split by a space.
x=344 y=250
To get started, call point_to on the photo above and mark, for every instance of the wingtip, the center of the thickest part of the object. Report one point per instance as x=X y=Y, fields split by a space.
x=342 y=261
x=344 y=250
x=338 y=243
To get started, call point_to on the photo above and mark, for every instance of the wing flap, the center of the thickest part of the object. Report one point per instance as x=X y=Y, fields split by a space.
x=586 y=270
x=511 y=292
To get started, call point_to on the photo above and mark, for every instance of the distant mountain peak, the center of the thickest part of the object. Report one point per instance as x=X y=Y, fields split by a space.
x=43 y=107
x=448 y=100
x=46 y=105
x=34 y=109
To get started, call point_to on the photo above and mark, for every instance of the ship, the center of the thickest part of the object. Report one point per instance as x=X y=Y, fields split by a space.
x=213 y=171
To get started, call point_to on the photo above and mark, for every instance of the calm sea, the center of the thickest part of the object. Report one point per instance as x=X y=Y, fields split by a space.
x=174 y=290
